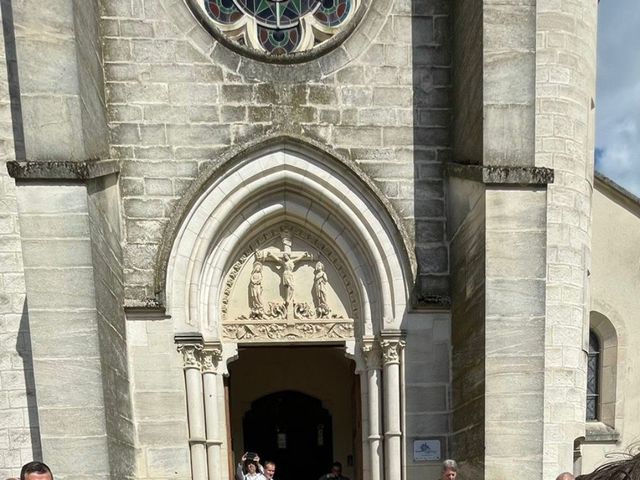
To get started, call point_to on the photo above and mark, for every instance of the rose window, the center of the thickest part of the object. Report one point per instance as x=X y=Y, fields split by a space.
x=279 y=27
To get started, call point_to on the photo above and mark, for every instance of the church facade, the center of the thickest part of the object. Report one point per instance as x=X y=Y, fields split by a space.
x=362 y=231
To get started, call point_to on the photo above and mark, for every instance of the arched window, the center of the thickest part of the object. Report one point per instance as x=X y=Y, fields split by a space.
x=593 y=377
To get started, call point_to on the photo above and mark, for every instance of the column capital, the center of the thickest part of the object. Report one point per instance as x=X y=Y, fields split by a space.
x=211 y=357
x=190 y=355
x=190 y=345
x=371 y=354
x=391 y=348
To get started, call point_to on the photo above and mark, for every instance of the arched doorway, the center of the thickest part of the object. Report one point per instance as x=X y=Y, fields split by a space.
x=288 y=248
x=293 y=430
x=298 y=406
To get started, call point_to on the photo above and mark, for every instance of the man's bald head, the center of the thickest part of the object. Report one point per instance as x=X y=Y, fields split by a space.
x=565 y=476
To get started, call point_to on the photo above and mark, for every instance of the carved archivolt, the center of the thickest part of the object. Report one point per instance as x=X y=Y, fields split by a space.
x=275 y=292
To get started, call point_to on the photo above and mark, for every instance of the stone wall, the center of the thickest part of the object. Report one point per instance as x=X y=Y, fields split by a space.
x=19 y=429
x=467 y=91
x=56 y=245
x=61 y=85
x=162 y=434
x=427 y=381
x=614 y=279
x=467 y=229
x=514 y=331
x=104 y=214
x=177 y=101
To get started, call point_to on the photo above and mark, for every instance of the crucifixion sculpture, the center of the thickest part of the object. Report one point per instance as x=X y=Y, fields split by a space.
x=287 y=260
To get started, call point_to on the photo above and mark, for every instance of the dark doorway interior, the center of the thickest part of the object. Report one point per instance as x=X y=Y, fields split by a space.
x=292 y=429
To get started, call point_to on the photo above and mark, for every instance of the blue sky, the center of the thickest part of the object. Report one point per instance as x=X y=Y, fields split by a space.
x=618 y=93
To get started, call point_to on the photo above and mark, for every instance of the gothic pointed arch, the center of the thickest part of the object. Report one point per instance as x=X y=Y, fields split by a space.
x=289 y=192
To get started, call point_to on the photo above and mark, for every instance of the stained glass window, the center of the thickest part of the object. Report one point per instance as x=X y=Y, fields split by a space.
x=593 y=377
x=279 y=27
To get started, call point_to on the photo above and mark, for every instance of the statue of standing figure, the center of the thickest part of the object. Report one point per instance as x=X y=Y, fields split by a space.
x=255 y=290
x=320 y=281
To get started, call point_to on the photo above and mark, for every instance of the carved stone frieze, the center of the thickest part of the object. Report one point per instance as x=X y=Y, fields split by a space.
x=286 y=331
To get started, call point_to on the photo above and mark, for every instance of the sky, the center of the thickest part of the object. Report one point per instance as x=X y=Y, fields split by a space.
x=618 y=93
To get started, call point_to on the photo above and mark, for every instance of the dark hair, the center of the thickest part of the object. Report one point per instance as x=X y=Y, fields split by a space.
x=250 y=462
x=626 y=469
x=34 y=467
x=337 y=464
x=269 y=462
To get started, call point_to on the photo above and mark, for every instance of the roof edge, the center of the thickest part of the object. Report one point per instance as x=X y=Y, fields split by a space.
x=617 y=193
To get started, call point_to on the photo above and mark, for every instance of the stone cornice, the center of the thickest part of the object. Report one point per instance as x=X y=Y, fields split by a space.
x=62 y=170
x=188 y=338
x=146 y=313
x=502 y=175
x=599 y=433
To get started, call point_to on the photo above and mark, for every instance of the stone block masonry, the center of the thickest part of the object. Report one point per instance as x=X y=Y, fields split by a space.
x=177 y=101
x=19 y=429
x=565 y=89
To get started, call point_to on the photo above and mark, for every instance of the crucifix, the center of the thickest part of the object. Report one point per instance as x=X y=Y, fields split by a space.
x=288 y=260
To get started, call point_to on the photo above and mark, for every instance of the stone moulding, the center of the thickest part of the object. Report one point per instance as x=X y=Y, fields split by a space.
x=63 y=170
x=501 y=175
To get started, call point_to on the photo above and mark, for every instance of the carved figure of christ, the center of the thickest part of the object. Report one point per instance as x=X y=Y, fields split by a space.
x=288 y=260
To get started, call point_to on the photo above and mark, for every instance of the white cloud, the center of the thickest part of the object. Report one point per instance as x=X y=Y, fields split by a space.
x=618 y=93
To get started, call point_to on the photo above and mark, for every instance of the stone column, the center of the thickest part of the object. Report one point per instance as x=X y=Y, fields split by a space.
x=565 y=92
x=391 y=348
x=372 y=358
x=195 y=409
x=211 y=356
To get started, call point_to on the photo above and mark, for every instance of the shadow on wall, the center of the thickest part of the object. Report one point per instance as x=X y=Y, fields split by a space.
x=431 y=64
x=23 y=347
x=8 y=31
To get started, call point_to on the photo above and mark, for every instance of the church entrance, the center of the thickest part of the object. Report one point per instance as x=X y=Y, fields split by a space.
x=293 y=430
x=297 y=406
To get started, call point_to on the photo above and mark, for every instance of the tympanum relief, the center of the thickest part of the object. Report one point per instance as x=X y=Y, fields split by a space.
x=288 y=284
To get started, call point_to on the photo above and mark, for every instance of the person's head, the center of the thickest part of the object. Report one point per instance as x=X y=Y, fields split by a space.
x=35 y=471
x=565 y=476
x=449 y=470
x=269 y=469
x=251 y=467
x=336 y=469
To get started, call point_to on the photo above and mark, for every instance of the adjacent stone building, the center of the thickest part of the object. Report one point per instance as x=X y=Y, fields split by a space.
x=353 y=230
